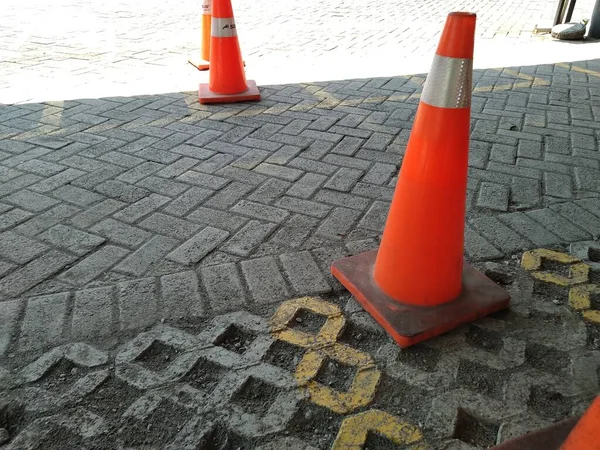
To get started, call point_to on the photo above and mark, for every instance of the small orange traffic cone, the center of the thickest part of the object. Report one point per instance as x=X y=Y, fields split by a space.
x=204 y=63
x=586 y=434
x=416 y=285
x=227 y=80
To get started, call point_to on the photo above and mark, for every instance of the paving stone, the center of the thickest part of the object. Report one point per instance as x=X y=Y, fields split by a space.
x=31 y=201
x=271 y=190
x=532 y=230
x=306 y=186
x=76 y=195
x=159 y=156
x=217 y=219
x=147 y=256
x=94 y=265
x=307 y=207
x=375 y=217
x=71 y=239
x=140 y=172
x=378 y=141
x=501 y=236
x=587 y=179
x=43 y=321
x=590 y=204
x=224 y=287
x=264 y=280
x=304 y=273
x=121 y=233
x=558 y=185
x=170 y=226
x=339 y=223
x=525 y=192
x=92 y=313
x=493 y=196
x=284 y=155
x=187 y=201
x=36 y=271
x=379 y=174
x=96 y=213
x=181 y=297
x=346 y=161
x=228 y=196
x=141 y=208
x=309 y=165
x=91 y=180
x=196 y=248
x=251 y=159
x=177 y=168
x=372 y=191
x=248 y=238
x=282 y=172
x=39 y=167
x=214 y=163
x=260 y=211
x=121 y=191
x=158 y=185
x=38 y=223
x=13 y=217
x=203 y=179
x=579 y=216
x=137 y=303
x=344 y=179
x=19 y=249
x=245 y=176
x=342 y=199
x=348 y=146
x=478 y=248
x=294 y=232
x=558 y=225
x=9 y=315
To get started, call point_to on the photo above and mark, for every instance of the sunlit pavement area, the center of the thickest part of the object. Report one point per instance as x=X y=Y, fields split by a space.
x=165 y=265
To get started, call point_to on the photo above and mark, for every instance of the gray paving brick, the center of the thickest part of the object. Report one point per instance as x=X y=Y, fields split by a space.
x=590 y=204
x=500 y=235
x=223 y=286
x=13 y=217
x=24 y=157
x=121 y=233
x=265 y=280
x=478 y=248
x=503 y=153
x=31 y=201
x=86 y=164
x=43 y=322
x=260 y=211
x=532 y=230
x=228 y=196
x=196 y=248
x=187 y=201
x=347 y=161
x=203 y=179
x=137 y=303
x=304 y=274
x=76 y=195
x=204 y=138
x=141 y=208
x=96 y=213
x=307 y=207
x=525 y=192
x=23 y=279
x=159 y=156
x=170 y=226
x=317 y=149
x=140 y=172
x=121 y=159
x=294 y=231
x=38 y=223
x=60 y=179
x=121 y=191
x=71 y=239
x=338 y=223
x=163 y=186
x=94 y=265
x=147 y=256
x=248 y=238
x=493 y=196
x=321 y=135
x=342 y=199
x=344 y=179
x=178 y=167
x=587 y=179
x=579 y=216
x=251 y=159
x=93 y=179
x=273 y=170
x=217 y=219
x=379 y=174
x=348 y=146
x=225 y=147
x=19 y=249
x=375 y=217
x=309 y=165
x=284 y=154
x=39 y=167
x=9 y=316
x=214 y=163
x=262 y=144
x=378 y=141
x=181 y=296
x=296 y=127
x=92 y=313
x=268 y=192
x=558 y=225
x=558 y=185
x=16 y=184
x=236 y=134
x=306 y=186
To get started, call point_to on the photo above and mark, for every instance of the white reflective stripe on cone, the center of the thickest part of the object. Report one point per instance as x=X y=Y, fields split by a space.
x=207 y=7
x=223 y=27
x=449 y=83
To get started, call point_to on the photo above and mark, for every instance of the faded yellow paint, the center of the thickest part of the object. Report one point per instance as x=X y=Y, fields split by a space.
x=580 y=69
x=532 y=262
x=364 y=385
x=580 y=296
x=592 y=316
x=355 y=429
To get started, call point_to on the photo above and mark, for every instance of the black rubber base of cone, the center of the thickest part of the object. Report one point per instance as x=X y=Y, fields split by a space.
x=408 y=324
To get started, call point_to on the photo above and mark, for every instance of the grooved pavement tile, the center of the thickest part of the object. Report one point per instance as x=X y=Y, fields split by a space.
x=265 y=280
x=43 y=322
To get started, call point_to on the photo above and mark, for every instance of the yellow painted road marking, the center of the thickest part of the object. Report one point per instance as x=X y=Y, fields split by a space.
x=580 y=299
x=579 y=69
x=532 y=262
x=355 y=429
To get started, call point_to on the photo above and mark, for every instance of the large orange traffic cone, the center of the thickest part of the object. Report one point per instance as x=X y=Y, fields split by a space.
x=227 y=80
x=204 y=62
x=416 y=285
x=586 y=434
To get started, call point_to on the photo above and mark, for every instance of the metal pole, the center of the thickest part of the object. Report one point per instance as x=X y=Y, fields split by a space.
x=559 y=12
x=594 y=30
x=570 y=11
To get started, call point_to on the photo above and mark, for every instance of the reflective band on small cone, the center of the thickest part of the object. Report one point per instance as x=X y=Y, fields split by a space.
x=223 y=28
x=417 y=285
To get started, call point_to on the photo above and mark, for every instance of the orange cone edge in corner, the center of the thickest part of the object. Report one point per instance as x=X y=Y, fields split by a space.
x=204 y=63
x=417 y=285
x=227 y=79
x=586 y=434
